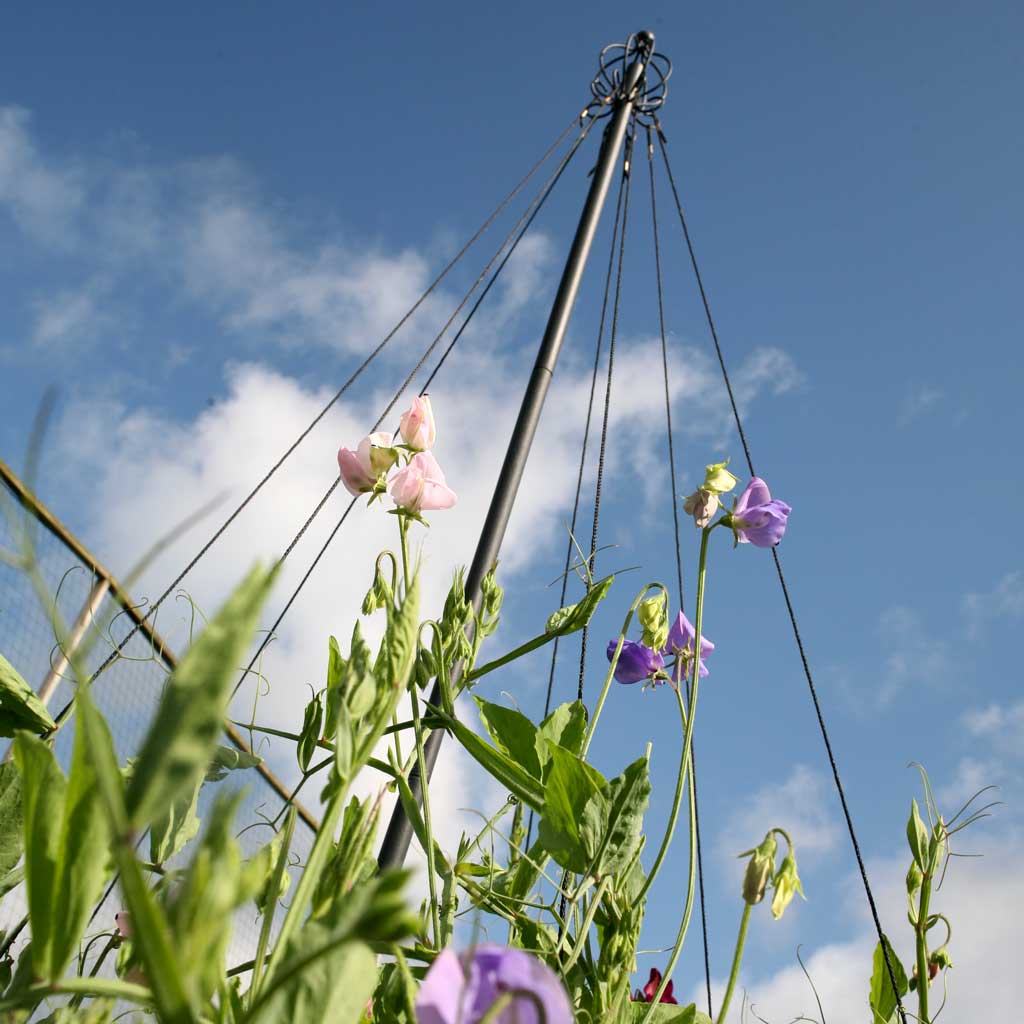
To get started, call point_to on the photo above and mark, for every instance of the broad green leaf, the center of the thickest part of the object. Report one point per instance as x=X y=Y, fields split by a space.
x=335 y=671
x=513 y=733
x=572 y=788
x=176 y=827
x=200 y=907
x=11 y=880
x=401 y=641
x=188 y=723
x=44 y=788
x=666 y=1013
x=84 y=854
x=881 y=997
x=320 y=980
x=566 y=726
x=11 y=838
x=625 y=800
x=150 y=927
x=514 y=778
x=312 y=726
x=20 y=708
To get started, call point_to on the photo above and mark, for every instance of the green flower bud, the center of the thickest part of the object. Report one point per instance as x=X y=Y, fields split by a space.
x=759 y=870
x=717 y=479
x=653 y=615
x=914 y=878
x=786 y=883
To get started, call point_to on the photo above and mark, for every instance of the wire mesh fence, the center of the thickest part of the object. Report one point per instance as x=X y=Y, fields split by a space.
x=95 y=609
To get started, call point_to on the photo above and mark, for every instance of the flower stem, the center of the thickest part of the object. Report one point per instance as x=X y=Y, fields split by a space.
x=611 y=668
x=677 y=799
x=687 y=753
x=921 y=928
x=421 y=759
x=737 y=958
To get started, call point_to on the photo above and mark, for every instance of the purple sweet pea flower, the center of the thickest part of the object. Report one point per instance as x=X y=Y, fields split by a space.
x=758 y=518
x=461 y=991
x=680 y=641
x=635 y=662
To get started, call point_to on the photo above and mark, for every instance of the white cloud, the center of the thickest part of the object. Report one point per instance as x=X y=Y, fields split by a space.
x=69 y=315
x=1004 y=601
x=912 y=657
x=42 y=200
x=801 y=804
x=978 y=897
x=920 y=401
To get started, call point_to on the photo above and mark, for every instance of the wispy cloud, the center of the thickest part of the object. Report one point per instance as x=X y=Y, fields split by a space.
x=920 y=401
x=1004 y=601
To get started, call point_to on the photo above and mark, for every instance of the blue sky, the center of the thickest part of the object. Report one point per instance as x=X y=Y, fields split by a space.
x=207 y=215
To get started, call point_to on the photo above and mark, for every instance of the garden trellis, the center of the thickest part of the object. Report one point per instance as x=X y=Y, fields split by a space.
x=628 y=94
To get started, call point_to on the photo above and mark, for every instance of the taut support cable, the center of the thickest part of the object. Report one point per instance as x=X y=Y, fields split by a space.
x=109 y=660
x=785 y=591
x=679 y=554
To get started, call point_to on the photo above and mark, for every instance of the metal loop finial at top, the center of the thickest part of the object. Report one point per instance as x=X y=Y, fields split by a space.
x=652 y=87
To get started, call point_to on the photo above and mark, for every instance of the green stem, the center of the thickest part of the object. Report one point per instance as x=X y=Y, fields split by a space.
x=677 y=799
x=614 y=663
x=103 y=988
x=530 y=645
x=698 y=623
x=421 y=759
x=737 y=958
x=268 y=914
x=584 y=929
x=921 y=928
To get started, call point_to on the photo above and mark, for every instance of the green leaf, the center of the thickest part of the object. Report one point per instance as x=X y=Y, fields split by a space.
x=171 y=831
x=45 y=789
x=20 y=708
x=150 y=928
x=566 y=726
x=917 y=837
x=513 y=733
x=11 y=839
x=230 y=759
x=666 y=1013
x=514 y=778
x=625 y=799
x=574 y=617
x=335 y=670
x=400 y=644
x=881 y=997
x=10 y=881
x=572 y=788
x=188 y=723
x=312 y=725
x=320 y=980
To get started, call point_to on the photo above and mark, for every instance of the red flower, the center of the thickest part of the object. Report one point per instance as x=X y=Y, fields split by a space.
x=647 y=995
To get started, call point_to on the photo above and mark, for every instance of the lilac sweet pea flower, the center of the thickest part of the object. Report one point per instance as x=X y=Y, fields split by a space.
x=758 y=518
x=635 y=662
x=680 y=641
x=462 y=990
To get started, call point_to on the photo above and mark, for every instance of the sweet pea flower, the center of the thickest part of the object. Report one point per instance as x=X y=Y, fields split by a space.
x=646 y=994
x=787 y=883
x=680 y=642
x=759 y=519
x=635 y=662
x=420 y=486
x=702 y=505
x=417 y=425
x=461 y=990
x=361 y=468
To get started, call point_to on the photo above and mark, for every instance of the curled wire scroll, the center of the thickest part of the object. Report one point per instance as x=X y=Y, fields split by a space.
x=652 y=88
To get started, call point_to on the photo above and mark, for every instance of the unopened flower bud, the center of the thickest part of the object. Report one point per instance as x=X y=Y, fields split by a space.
x=760 y=869
x=702 y=505
x=653 y=616
x=786 y=883
x=717 y=479
x=914 y=878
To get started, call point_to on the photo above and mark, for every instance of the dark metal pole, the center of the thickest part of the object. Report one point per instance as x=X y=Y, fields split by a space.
x=399 y=833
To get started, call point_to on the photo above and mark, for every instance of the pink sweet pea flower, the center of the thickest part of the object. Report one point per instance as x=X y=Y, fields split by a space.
x=421 y=486
x=361 y=468
x=417 y=425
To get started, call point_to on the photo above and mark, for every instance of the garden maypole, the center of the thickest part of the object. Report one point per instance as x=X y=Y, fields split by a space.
x=622 y=86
